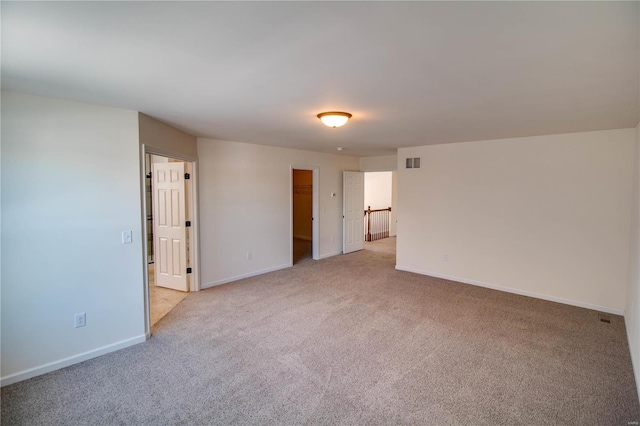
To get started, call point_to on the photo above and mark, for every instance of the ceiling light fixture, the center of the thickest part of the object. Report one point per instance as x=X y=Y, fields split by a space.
x=334 y=118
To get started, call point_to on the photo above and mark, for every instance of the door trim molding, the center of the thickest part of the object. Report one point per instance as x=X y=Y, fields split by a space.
x=315 y=211
x=194 y=283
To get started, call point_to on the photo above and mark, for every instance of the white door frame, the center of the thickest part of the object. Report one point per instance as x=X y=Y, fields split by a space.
x=315 y=211
x=194 y=240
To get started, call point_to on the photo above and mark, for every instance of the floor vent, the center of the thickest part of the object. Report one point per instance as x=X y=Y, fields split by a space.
x=604 y=318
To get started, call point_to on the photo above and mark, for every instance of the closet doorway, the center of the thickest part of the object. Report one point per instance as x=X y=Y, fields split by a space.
x=304 y=215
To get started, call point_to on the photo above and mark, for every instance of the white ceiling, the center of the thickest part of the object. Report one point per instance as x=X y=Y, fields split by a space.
x=411 y=73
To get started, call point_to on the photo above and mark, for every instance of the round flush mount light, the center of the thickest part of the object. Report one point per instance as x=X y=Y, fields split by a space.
x=334 y=118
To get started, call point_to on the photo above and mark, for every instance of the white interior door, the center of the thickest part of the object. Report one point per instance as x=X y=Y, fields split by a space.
x=353 y=211
x=169 y=226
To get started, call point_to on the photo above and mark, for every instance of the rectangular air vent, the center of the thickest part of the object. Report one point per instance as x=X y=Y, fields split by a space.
x=412 y=163
x=604 y=318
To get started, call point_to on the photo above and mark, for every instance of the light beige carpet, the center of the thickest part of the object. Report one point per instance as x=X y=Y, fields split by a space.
x=350 y=340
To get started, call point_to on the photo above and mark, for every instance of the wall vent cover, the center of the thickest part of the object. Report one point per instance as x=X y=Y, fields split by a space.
x=412 y=163
x=604 y=318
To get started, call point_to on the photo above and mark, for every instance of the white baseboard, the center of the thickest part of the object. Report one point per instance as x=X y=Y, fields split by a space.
x=75 y=359
x=243 y=276
x=324 y=256
x=516 y=291
x=302 y=237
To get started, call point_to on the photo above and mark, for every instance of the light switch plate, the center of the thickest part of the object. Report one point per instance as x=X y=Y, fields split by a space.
x=127 y=237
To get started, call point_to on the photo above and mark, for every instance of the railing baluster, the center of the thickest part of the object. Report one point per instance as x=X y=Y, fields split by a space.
x=377 y=224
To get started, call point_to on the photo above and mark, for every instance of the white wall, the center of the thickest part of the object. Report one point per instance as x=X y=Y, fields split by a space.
x=245 y=199
x=393 y=229
x=632 y=309
x=547 y=216
x=70 y=185
x=377 y=190
x=165 y=137
x=380 y=163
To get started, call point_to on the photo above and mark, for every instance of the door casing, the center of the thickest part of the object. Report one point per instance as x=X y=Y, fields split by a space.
x=192 y=208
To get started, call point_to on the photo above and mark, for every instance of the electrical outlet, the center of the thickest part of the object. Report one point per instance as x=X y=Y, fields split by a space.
x=445 y=257
x=80 y=320
x=249 y=255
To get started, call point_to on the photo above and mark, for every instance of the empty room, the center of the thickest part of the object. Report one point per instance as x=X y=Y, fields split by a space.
x=320 y=213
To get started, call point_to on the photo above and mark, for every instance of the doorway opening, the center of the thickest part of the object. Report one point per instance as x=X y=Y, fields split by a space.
x=380 y=211
x=304 y=223
x=302 y=215
x=170 y=231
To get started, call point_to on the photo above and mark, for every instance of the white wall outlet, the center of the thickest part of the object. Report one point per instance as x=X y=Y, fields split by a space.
x=80 y=320
x=333 y=238
x=445 y=257
x=249 y=255
x=127 y=237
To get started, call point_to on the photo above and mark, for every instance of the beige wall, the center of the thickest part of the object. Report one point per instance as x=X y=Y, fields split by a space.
x=61 y=233
x=545 y=216
x=632 y=308
x=245 y=204
x=302 y=204
x=377 y=190
x=165 y=137
x=393 y=229
x=381 y=163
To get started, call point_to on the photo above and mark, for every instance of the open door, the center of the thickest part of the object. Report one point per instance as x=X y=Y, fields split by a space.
x=353 y=212
x=169 y=226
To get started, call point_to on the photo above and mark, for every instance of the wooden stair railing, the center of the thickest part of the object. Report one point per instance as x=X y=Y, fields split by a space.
x=376 y=223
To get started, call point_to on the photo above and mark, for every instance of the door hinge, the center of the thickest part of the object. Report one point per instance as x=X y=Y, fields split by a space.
x=187 y=176
x=188 y=270
x=149 y=175
x=188 y=224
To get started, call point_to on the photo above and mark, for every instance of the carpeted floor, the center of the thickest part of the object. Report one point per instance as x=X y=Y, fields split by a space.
x=349 y=340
